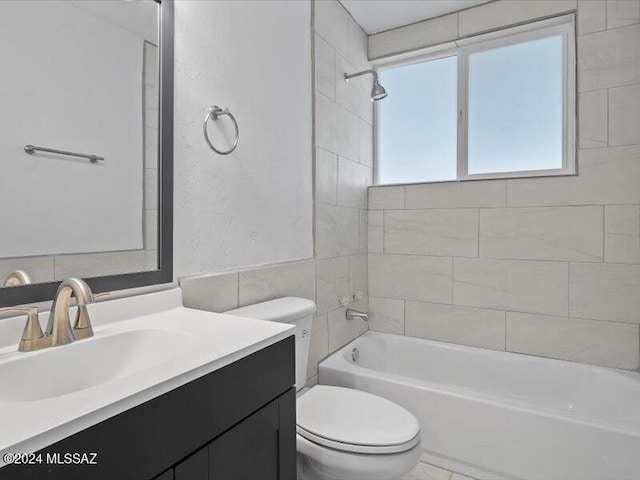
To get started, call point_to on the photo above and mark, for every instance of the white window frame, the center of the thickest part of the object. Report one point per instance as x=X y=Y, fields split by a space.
x=562 y=25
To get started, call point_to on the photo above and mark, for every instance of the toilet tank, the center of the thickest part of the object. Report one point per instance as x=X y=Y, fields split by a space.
x=294 y=310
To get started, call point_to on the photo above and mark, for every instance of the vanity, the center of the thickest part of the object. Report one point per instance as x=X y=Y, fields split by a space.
x=159 y=392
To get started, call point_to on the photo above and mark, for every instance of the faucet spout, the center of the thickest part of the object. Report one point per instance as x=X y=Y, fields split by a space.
x=352 y=314
x=59 y=326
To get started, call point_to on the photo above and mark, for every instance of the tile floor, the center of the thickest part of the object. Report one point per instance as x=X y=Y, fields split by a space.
x=424 y=471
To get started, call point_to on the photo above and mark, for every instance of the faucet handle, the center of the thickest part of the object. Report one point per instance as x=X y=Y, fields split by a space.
x=32 y=330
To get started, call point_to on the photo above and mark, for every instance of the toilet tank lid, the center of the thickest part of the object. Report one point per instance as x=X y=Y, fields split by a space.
x=285 y=309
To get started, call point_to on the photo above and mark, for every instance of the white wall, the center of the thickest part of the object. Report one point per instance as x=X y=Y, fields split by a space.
x=254 y=206
x=71 y=81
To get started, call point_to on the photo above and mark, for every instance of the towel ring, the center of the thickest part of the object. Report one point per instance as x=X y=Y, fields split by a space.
x=215 y=112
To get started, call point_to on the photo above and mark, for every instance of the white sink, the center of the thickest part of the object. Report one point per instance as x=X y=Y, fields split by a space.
x=143 y=347
x=83 y=364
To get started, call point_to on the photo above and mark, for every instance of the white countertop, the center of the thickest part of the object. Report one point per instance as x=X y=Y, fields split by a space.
x=207 y=341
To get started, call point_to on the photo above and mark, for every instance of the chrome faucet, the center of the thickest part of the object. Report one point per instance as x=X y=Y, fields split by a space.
x=59 y=327
x=352 y=314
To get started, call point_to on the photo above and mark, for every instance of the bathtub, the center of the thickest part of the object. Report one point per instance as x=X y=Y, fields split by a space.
x=497 y=415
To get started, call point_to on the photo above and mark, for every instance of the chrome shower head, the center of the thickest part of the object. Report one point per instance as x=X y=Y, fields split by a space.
x=377 y=91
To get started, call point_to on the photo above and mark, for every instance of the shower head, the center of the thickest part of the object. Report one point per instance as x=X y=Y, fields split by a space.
x=377 y=91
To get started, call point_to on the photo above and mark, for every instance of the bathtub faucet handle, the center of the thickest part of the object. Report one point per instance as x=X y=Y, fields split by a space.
x=352 y=314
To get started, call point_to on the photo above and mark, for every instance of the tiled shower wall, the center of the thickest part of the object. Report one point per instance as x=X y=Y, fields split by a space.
x=543 y=266
x=343 y=171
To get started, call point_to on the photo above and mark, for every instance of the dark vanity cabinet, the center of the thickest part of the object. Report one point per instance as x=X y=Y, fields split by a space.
x=236 y=423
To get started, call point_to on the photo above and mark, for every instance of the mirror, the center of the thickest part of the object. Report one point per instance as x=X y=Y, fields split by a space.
x=81 y=161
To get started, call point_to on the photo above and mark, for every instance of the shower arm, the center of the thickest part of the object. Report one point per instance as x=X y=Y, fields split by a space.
x=373 y=72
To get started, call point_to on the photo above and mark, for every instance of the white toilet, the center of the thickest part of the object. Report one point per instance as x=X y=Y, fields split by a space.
x=342 y=433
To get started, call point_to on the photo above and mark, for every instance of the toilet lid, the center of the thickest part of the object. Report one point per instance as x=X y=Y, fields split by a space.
x=356 y=421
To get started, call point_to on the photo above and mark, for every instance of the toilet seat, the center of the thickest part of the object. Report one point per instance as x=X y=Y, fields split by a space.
x=354 y=421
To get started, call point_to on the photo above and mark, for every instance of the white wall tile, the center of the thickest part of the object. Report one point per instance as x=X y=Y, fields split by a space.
x=319 y=344
x=490 y=193
x=341 y=330
x=294 y=279
x=39 y=269
x=150 y=229
x=622 y=234
x=325 y=68
x=331 y=22
x=354 y=95
x=356 y=53
x=376 y=232
x=99 y=264
x=477 y=327
x=410 y=277
x=365 y=143
x=605 y=176
x=509 y=12
x=592 y=16
x=520 y=285
x=605 y=291
x=622 y=12
x=590 y=341
x=363 y=231
x=386 y=198
x=337 y=231
x=592 y=119
x=215 y=293
x=353 y=180
x=412 y=37
x=332 y=277
x=451 y=232
x=150 y=148
x=603 y=62
x=358 y=274
x=151 y=259
x=386 y=315
x=336 y=128
x=326 y=175
x=542 y=233
x=624 y=115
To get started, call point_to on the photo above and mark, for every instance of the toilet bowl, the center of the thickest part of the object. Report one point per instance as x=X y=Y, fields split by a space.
x=341 y=433
x=347 y=434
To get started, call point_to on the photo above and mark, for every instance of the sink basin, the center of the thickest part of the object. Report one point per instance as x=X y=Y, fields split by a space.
x=83 y=364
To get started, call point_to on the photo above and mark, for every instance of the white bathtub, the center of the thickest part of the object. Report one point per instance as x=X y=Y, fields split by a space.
x=502 y=415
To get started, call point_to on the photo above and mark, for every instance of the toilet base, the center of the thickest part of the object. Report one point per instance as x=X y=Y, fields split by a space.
x=315 y=462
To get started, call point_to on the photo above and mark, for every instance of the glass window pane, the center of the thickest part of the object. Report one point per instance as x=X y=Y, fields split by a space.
x=515 y=107
x=417 y=123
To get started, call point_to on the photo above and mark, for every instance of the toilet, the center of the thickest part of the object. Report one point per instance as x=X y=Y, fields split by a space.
x=341 y=433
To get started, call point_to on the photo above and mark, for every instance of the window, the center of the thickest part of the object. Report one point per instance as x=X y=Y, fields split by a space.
x=495 y=106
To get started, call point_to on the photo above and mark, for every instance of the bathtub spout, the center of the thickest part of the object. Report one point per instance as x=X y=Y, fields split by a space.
x=352 y=314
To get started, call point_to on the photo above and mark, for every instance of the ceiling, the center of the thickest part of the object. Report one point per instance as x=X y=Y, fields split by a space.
x=377 y=15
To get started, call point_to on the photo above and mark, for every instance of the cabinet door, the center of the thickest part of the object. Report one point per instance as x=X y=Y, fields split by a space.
x=196 y=467
x=262 y=447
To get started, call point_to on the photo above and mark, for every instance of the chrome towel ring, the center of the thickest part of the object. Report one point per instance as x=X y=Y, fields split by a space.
x=215 y=112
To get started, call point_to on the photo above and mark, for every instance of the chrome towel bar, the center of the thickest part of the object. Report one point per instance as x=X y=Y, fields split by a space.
x=30 y=149
x=215 y=112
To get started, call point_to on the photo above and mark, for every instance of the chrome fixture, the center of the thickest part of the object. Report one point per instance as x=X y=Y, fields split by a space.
x=30 y=149
x=352 y=314
x=59 y=326
x=377 y=91
x=214 y=113
x=16 y=278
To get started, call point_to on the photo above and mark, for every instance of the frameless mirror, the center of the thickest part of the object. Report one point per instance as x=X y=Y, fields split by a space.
x=80 y=146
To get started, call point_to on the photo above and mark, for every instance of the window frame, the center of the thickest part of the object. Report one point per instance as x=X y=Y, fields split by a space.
x=563 y=25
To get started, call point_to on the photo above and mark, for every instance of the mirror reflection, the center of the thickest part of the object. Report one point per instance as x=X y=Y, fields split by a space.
x=78 y=139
